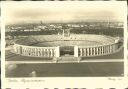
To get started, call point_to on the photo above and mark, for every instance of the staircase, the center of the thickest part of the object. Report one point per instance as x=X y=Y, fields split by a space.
x=67 y=59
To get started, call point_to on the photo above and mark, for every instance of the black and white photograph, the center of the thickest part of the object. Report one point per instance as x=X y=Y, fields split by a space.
x=69 y=39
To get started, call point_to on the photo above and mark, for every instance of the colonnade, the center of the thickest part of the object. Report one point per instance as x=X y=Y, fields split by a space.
x=79 y=51
x=36 y=51
x=99 y=50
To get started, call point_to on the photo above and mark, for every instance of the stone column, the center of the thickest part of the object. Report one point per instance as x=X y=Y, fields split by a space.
x=44 y=52
x=28 y=51
x=75 y=51
x=57 y=51
x=81 y=52
x=47 y=52
x=110 y=48
x=99 y=51
x=51 y=52
x=94 y=51
x=102 y=49
x=31 y=51
x=24 y=50
x=107 y=49
x=85 y=52
x=114 y=47
x=41 y=52
x=90 y=51
x=34 y=51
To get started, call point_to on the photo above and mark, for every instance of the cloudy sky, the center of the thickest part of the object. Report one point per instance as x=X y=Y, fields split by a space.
x=16 y=12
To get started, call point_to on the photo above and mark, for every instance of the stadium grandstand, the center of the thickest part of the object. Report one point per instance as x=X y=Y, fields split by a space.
x=64 y=46
x=82 y=39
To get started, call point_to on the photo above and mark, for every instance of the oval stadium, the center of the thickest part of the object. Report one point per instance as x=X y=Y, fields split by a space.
x=72 y=46
x=62 y=51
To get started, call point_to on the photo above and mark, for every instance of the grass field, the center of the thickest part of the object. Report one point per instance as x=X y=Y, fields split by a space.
x=68 y=43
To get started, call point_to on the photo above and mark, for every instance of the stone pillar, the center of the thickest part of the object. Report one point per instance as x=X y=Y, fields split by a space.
x=17 y=49
x=47 y=52
x=28 y=51
x=94 y=51
x=75 y=51
x=114 y=47
x=25 y=51
x=102 y=49
x=44 y=52
x=107 y=49
x=80 y=51
x=85 y=52
x=41 y=53
x=110 y=48
x=98 y=50
x=90 y=51
x=57 y=51
x=50 y=53
x=34 y=52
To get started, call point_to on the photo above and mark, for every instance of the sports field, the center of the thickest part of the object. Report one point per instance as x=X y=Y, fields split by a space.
x=68 y=43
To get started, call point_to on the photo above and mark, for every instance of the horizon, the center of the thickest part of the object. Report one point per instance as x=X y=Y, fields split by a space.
x=63 y=12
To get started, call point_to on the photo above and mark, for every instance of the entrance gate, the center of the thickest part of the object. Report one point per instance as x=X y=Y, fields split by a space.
x=66 y=50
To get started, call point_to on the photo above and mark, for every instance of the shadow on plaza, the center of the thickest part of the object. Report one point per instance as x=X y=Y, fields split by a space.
x=103 y=69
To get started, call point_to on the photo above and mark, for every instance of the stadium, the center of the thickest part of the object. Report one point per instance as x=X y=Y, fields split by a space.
x=74 y=46
x=65 y=40
x=65 y=51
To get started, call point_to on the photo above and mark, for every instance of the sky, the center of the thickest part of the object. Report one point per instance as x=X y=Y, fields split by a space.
x=16 y=12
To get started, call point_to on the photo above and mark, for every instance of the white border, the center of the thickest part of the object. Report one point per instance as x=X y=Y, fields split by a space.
x=64 y=82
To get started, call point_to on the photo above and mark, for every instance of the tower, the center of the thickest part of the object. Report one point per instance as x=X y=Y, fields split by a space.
x=66 y=31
